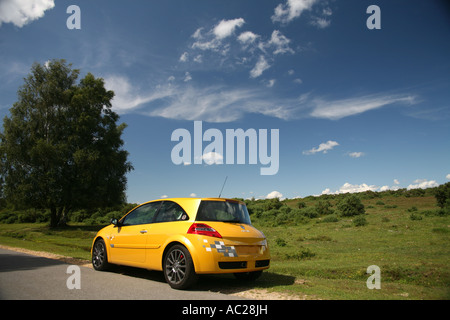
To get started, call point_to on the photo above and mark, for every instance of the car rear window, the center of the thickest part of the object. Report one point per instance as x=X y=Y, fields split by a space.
x=225 y=211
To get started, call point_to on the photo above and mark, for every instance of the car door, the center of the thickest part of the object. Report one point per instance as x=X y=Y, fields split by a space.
x=129 y=239
x=167 y=223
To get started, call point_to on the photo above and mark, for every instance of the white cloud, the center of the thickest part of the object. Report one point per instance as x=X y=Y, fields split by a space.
x=212 y=158
x=335 y=110
x=184 y=57
x=351 y=188
x=197 y=34
x=274 y=194
x=164 y=196
x=422 y=184
x=187 y=77
x=356 y=188
x=280 y=42
x=225 y=28
x=247 y=37
x=396 y=182
x=447 y=176
x=192 y=195
x=270 y=83
x=320 y=23
x=356 y=154
x=212 y=40
x=198 y=58
x=292 y=9
x=22 y=12
x=323 y=147
x=260 y=67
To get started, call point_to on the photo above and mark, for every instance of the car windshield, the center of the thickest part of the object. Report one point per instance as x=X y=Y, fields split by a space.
x=225 y=211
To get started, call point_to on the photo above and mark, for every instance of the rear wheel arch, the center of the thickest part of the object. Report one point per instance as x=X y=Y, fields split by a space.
x=178 y=266
x=167 y=248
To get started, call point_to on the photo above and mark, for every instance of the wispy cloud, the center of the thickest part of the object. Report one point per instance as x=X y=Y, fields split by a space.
x=356 y=154
x=20 y=12
x=338 y=109
x=260 y=67
x=128 y=97
x=186 y=101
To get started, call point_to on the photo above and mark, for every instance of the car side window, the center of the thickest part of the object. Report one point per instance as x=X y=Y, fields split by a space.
x=142 y=215
x=171 y=211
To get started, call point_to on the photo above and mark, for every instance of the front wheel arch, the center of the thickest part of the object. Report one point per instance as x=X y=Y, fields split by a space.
x=100 y=254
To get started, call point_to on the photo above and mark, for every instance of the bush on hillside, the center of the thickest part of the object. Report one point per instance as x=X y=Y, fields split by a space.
x=350 y=206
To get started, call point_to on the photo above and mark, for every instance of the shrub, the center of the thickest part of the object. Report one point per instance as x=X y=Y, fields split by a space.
x=360 y=221
x=309 y=212
x=415 y=216
x=281 y=242
x=323 y=208
x=301 y=204
x=270 y=204
x=330 y=218
x=303 y=254
x=350 y=206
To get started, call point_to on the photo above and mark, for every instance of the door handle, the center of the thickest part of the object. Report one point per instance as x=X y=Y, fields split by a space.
x=143 y=231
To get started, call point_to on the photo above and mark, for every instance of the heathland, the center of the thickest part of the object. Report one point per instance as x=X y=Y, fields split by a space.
x=321 y=246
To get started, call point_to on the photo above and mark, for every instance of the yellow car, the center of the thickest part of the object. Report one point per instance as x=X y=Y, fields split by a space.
x=184 y=237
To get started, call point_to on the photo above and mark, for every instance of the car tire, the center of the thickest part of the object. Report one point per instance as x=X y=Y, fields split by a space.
x=248 y=276
x=100 y=256
x=178 y=268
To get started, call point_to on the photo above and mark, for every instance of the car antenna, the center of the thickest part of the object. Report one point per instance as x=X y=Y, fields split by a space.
x=223 y=186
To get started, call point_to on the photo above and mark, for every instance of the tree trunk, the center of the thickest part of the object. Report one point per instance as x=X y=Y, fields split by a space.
x=56 y=217
x=53 y=217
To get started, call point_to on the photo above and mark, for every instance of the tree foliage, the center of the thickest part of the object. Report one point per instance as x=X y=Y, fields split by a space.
x=443 y=196
x=61 y=147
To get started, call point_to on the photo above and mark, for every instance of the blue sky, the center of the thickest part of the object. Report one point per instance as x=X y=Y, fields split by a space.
x=356 y=109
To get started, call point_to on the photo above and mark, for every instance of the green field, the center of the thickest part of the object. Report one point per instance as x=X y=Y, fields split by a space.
x=322 y=257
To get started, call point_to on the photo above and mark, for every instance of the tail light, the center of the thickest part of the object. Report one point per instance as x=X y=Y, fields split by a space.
x=204 y=230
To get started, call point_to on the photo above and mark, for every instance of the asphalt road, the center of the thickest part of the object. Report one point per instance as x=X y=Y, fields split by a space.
x=24 y=276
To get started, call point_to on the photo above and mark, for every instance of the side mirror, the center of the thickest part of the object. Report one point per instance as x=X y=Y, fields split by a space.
x=115 y=222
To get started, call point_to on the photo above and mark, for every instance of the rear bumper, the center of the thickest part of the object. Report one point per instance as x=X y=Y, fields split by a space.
x=215 y=255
